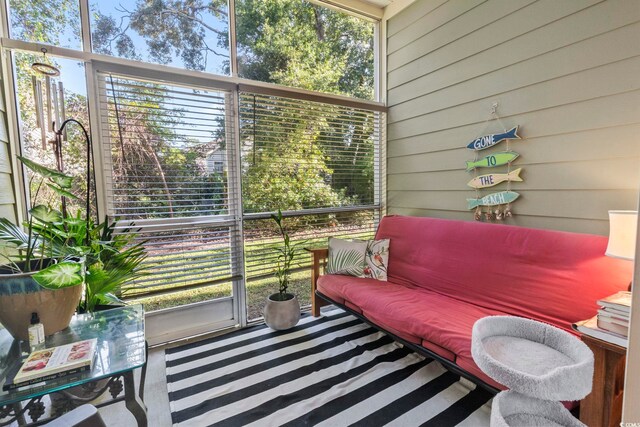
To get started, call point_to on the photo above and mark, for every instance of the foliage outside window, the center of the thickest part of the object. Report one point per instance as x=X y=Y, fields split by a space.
x=289 y=42
x=300 y=44
x=55 y=22
x=188 y=34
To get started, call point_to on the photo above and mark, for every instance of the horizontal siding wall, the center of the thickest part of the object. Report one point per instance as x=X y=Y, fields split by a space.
x=7 y=193
x=567 y=72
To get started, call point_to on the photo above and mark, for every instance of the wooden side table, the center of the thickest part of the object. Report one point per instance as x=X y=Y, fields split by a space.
x=603 y=407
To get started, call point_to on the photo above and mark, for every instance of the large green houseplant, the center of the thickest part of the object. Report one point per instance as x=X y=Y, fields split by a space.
x=48 y=261
x=282 y=310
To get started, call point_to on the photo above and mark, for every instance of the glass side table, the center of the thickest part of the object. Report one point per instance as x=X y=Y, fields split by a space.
x=121 y=349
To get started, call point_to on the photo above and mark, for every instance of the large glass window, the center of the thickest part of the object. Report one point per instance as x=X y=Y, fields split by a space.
x=158 y=142
x=301 y=44
x=191 y=34
x=55 y=22
x=317 y=162
x=42 y=101
x=170 y=158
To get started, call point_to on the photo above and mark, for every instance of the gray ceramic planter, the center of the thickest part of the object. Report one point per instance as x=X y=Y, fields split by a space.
x=281 y=315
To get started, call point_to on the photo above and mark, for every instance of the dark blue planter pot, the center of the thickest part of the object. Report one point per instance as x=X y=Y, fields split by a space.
x=20 y=296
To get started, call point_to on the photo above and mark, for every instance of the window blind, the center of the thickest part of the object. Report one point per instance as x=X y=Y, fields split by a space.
x=318 y=162
x=161 y=148
x=169 y=168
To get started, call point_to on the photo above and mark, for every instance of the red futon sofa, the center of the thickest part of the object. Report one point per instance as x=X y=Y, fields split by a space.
x=443 y=275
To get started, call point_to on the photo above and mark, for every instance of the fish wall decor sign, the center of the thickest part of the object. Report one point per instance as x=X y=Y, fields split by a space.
x=487 y=141
x=491 y=179
x=493 y=160
x=494 y=199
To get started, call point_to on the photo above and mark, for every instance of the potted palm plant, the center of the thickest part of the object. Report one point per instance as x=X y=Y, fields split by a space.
x=282 y=310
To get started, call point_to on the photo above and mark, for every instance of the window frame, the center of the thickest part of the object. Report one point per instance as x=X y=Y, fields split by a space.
x=95 y=63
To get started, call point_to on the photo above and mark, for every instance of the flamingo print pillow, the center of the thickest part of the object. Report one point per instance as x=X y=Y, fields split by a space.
x=376 y=259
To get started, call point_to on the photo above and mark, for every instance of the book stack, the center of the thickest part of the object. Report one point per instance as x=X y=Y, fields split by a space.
x=53 y=363
x=613 y=315
x=612 y=321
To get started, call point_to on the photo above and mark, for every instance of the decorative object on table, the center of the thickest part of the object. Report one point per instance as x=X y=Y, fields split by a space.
x=614 y=313
x=536 y=361
x=52 y=363
x=622 y=234
x=282 y=310
x=590 y=327
x=498 y=206
x=121 y=350
x=611 y=324
x=35 y=332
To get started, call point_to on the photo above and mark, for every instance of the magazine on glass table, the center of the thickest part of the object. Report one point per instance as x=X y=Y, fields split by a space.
x=54 y=362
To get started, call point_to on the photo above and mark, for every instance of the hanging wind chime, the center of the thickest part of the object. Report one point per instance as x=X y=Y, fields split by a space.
x=48 y=94
x=498 y=205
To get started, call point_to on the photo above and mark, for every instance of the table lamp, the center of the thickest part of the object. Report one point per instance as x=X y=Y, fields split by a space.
x=623 y=227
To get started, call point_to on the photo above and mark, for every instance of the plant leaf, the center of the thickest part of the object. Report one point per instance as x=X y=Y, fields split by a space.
x=62 y=192
x=45 y=214
x=61 y=275
x=11 y=233
x=63 y=180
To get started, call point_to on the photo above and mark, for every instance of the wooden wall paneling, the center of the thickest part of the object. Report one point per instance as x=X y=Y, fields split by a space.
x=513 y=40
x=547 y=67
x=586 y=204
x=582 y=144
x=411 y=14
x=429 y=23
x=615 y=78
x=622 y=173
x=470 y=19
x=575 y=225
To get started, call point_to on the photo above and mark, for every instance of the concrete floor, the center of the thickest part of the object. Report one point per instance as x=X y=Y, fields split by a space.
x=155 y=397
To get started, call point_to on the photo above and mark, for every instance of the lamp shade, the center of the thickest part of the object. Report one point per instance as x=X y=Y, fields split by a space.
x=623 y=226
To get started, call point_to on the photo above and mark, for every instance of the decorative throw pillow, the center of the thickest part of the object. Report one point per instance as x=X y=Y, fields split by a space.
x=377 y=259
x=346 y=257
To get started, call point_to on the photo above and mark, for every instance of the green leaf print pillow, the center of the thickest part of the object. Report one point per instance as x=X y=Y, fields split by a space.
x=346 y=257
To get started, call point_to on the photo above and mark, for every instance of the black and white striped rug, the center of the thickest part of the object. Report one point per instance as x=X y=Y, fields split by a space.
x=330 y=371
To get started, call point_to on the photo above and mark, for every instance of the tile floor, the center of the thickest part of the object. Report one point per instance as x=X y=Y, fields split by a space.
x=155 y=397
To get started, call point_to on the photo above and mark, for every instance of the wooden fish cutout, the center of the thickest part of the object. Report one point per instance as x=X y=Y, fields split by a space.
x=491 y=179
x=493 y=160
x=493 y=139
x=495 y=199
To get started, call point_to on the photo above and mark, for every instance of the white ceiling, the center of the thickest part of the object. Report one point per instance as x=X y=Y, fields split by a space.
x=379 y=3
